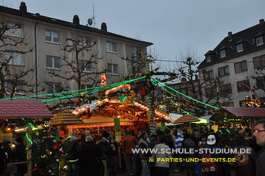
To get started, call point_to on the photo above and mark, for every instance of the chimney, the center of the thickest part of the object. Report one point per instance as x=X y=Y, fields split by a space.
x=23 y=7
x=230 y=34
x=261 y=21
x=104 y=27
x=76 y=20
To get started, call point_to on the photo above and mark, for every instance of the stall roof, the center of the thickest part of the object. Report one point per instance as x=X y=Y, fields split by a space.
x=246 y=112
x=13 y=109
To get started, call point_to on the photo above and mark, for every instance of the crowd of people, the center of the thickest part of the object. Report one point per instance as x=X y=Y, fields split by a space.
x=106 y=157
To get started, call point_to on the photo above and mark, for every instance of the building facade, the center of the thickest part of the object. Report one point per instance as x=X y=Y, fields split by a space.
x=234 y=69
x=56 y=55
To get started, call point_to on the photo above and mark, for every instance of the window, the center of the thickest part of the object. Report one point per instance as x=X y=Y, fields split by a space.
x=51 y=36
x=113 y=68
x=53 y=62
x=208 y=75
x=259 y=62
x=239 y=47
x=228 y=104
x=14 y=58
x=223 y=71
x=243 y=85
x=241 y=66
x=226 y=89
x=82 y=41
x=259 y=41
x=260 y=82
x=53 y=87
x=222 y=53
x=243 y=103
x=86 y=66
x=13 y=30
x=209 y=92
x=111 y=47
x=17 y=85
x=135 y=53
x=208 y=59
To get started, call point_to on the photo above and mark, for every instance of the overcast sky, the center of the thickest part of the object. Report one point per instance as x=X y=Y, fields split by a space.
x=177 y=28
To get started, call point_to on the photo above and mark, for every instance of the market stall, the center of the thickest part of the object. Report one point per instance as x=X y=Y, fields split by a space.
x=238 y=117
x=22 y=114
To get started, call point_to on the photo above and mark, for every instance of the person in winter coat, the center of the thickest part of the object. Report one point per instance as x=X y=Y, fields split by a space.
x=72 y=149
x=245 y=162
x=259 y=133
x=90 y=157
x=128 y=143
x=160 y=157
x=143 y=144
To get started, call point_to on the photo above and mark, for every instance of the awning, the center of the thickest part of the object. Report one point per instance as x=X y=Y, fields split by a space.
x=246 y=112
x=238 y=112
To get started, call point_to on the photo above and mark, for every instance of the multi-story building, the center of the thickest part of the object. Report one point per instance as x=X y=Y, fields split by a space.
x=189 y=88
x=235 y=67
x=57 y=55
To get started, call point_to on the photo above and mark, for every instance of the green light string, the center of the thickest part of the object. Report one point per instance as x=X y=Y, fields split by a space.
x=50 y=94
x=164 y=85
x=31 y=125
x=176 y=103
x=109 y=86
x=30 y=141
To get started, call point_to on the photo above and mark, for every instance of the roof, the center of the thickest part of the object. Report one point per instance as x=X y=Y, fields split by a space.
x=186 y=118
x=65 y=117
x=39 y=17
x=246 y=111
x=96 y=121
x=229 y=43
x=14 y=109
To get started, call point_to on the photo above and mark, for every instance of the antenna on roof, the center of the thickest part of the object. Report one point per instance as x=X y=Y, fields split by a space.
x=92 y=20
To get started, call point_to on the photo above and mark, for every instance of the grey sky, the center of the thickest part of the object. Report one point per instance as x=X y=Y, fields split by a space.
x=172 y=25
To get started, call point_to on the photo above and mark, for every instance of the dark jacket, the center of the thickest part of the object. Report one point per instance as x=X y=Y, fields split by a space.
x=260 y=169
x=71 y=149
x=90 y=157
x=245 y=163
x=105 y=148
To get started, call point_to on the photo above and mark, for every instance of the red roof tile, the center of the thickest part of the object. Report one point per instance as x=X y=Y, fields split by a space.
x=23 y=108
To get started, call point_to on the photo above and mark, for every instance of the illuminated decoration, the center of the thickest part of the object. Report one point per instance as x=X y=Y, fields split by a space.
x=93 y=126
x=252 y=102
x=242 y=82
x=28 y=138
x=158 y=112
x=124 y=88
x=103 y=79
x=160 y=84
x=86 y=108
x=86 y=91
x=109 y=86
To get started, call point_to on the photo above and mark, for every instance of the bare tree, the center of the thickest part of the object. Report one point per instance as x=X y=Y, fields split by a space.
x=13 y=48
x=79 y=62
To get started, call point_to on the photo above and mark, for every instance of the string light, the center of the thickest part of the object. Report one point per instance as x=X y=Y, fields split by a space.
x=109 y=86
x=160 y=84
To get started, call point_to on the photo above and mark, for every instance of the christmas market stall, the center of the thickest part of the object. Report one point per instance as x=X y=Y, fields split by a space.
x=101 y=114
x=18 y=119
x=238 y=117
